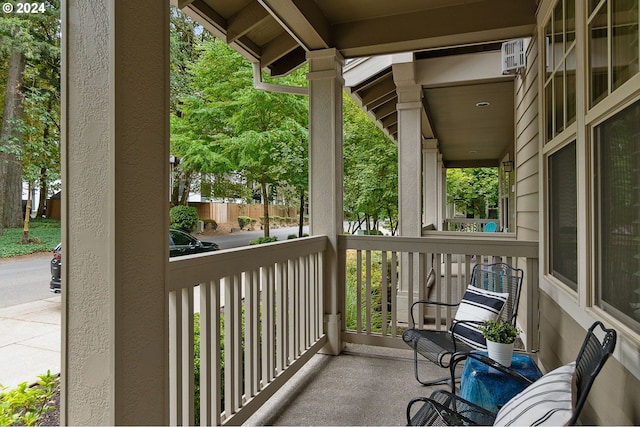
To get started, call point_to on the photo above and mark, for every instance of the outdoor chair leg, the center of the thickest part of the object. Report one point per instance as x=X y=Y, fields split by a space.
x=438 y=381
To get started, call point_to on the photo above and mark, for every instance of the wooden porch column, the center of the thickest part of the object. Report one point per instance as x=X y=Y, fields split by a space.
x=432 y=182
x=115 y=152
x=325 y=178
x=409 y=176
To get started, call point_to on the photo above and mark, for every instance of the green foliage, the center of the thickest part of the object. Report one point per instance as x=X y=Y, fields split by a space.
x=262 y=240
x=45 y=231
x=499 y=331
x=24 y=405
x=376 y=292
x=243 y=221
x=183 y=217
x=473 y=190
x=370 y=170
x=210 y=223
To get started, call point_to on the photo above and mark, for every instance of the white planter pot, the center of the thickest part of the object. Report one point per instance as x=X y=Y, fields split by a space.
x=499 y=352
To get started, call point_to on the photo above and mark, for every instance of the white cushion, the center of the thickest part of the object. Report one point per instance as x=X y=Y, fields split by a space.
x=478 y=305
x=545 y=402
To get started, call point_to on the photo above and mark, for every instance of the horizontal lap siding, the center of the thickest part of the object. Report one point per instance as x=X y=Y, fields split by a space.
x=527 y=148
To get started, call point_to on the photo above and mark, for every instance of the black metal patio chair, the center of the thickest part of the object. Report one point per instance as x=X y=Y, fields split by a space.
x=548 y=401
x=493 y=292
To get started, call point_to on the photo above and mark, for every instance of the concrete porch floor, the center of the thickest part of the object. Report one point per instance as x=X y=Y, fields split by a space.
x=366 y=386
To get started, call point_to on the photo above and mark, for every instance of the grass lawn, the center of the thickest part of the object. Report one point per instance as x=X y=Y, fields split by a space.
x=44 y=233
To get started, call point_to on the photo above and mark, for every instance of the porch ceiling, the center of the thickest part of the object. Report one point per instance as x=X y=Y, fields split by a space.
x=278 y=33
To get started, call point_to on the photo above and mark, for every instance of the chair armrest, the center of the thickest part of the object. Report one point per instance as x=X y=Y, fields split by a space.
x=434 y=413
x=438 y=303
x=444 y=408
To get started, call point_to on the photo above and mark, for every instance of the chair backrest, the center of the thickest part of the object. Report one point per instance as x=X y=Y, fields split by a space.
x=500 y=277
x=592 y=356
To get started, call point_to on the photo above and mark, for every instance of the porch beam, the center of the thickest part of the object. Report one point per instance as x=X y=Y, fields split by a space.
x=276 y=49
x=303 y=20
x=245 y=20
x=326 y=180
x=115 y=151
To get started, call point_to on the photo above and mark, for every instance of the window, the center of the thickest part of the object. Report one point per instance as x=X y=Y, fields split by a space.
x=560 y=79
x=617 y=178
x=613 y=46
x=563 y=216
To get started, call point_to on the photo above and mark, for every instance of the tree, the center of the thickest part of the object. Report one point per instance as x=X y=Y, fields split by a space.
x=227 y=125
x=473 y=190
x=15 y=37
x=29 y=138
x=370 y=172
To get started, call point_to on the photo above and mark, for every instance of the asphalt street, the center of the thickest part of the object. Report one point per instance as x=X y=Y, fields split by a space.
x=24 y=279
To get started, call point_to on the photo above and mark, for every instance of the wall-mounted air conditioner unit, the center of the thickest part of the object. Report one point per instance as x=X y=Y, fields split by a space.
x=514 y=59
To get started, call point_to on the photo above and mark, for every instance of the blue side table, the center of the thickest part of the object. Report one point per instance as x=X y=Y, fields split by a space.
x=488 y=387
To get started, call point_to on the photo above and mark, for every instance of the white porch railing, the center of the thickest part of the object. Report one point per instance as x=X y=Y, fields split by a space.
x=382 y=303
x=266 y=302
x=467 y=224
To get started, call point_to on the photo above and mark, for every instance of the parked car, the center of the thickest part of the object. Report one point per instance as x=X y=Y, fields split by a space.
x=56 y=266
x=180 y=243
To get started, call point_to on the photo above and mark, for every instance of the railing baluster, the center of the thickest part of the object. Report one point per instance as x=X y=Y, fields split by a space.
x=210 y=354
x=394 y=294
x=359 y=291
x=438 y=285
x=368 y=291
x=385 y=292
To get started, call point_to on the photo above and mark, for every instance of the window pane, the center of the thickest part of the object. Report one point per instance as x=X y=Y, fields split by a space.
x=617 y=170
x=592 y=5
x=571 y=86
x=558 y=89
x=598 y=56
x=548 y=96
x=548 y=48
x=570 y=22
x=563 y=214
x=558 y=28
x=624 y=42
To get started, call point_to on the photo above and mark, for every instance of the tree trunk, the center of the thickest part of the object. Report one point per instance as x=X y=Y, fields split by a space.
x=44 y=193
x=265 y=204
x=301 y=218
x=27 y=217
x=10 y=142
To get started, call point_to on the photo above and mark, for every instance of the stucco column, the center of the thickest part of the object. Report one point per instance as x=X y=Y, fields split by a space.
x=432 y=183
x=325 y=178
x=115 y=151
x=409 y=186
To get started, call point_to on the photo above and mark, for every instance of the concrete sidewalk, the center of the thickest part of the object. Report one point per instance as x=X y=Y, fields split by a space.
x=30 y=341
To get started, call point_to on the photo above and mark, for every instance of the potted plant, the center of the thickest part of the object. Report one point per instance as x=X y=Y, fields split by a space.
x=500 y=336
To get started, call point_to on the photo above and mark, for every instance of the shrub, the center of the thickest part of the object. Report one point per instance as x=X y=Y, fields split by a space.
x=183 y=217
x=292 y=236
x=210 y=224
x=243 y=221
x=262 y=240
x=25 y=405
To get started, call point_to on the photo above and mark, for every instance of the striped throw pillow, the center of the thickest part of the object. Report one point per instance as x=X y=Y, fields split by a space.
x=545 y=402
x=477 y=305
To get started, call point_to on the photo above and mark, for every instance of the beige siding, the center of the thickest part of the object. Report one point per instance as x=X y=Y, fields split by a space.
x=527 y=148
x=613 y=400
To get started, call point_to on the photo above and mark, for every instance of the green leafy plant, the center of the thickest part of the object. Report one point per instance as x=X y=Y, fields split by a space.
x=262 y=240
x=210 y=224
x=243 y=221
x=183 y=217
x=24 y=405
x=499 y=331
